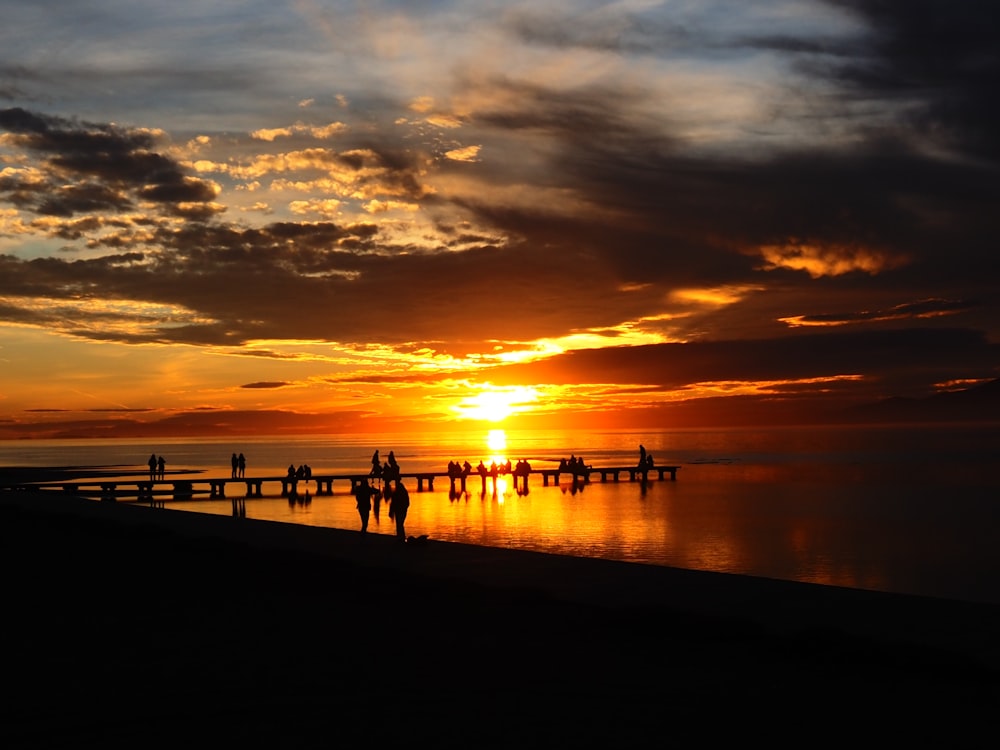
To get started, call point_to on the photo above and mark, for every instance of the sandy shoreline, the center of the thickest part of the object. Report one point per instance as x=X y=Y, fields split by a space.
x=475 y=624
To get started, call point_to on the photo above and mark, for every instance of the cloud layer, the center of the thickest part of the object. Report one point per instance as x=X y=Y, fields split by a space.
x=317 y=207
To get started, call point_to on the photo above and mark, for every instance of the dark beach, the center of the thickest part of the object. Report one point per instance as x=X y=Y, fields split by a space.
x=151 y=626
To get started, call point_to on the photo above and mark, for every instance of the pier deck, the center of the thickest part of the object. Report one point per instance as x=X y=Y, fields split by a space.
x=154 y=491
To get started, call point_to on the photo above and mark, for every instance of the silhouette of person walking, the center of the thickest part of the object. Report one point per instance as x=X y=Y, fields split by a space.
x=363 y=495
x=400 y=505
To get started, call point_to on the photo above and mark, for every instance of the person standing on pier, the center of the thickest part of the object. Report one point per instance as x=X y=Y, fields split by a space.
x=161 y=465
x=235 y=464
x=152 y=467
x=400 y=505
x=242 y=464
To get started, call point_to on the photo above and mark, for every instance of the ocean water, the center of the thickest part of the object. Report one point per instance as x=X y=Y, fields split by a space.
x=910 y=509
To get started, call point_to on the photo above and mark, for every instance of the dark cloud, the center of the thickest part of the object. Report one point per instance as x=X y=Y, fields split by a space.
x=627 y=33
x=921 y=309
x=684 y=218
x=901 y=359
x=95 y=167
x=940 y=59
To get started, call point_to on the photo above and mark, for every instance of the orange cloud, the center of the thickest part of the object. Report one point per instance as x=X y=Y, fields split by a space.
x=829 y=259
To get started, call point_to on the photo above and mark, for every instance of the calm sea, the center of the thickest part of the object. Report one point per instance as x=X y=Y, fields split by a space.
x=912 y=510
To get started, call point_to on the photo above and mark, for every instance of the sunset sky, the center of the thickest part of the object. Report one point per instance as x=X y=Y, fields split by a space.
x=314 y=216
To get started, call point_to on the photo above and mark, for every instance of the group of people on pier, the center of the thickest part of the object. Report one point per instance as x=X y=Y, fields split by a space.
x=384 y=481
x=388 y=472
x=574 y=465
x=645 y=459
x=460 y=472
x=304 y=472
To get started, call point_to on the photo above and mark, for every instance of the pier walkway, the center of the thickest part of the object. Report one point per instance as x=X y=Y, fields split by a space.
x=154 y=492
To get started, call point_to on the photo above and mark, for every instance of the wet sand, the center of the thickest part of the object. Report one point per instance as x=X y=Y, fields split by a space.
x=149 y=625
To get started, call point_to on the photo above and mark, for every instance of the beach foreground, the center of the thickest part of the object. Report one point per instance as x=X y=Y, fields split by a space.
x=150 y=626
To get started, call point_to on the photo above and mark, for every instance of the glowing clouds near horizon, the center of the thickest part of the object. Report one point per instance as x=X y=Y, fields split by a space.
x=496 y=404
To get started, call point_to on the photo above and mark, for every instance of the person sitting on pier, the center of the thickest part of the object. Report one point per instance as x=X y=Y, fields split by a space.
x=466 y=468
x=481 y=469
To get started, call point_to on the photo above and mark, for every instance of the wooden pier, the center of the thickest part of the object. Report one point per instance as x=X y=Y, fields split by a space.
x=155 y=492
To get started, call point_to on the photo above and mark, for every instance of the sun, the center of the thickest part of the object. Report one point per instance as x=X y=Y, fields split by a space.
x=496 y=404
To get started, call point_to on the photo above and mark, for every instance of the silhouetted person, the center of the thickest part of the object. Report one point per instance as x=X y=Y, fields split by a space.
x=242 y=465
x=400 y=505
x=363 y=496
x=481 y=469
x=642 y=455
x=152 y=467
x=236 y=465
x=161 y=465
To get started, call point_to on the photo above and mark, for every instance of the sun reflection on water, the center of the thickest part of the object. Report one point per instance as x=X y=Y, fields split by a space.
x=496 y=442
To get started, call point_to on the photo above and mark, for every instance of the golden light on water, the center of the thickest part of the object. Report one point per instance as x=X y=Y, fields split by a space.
x=496 y=441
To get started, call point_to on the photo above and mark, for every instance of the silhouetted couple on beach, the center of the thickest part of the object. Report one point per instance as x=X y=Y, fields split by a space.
x=399 y=505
